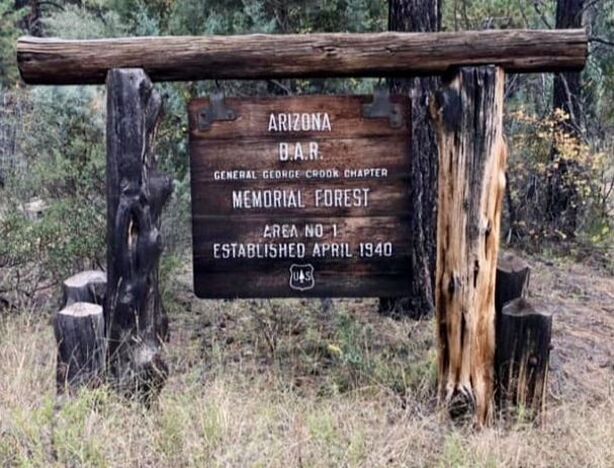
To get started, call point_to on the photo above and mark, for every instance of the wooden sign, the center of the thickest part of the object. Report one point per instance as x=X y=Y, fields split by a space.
x=300 y=196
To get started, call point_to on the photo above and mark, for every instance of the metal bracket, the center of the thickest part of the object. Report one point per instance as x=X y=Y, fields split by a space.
x=382 y=107
x=217 y=111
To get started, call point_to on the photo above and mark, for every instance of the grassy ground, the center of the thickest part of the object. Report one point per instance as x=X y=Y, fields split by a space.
x=288 y=383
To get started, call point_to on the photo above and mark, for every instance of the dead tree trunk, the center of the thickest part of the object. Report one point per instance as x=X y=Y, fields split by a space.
x=468 y=114
x=523 y=351
x=135 y=318
x=418 y=16
x=79 y=332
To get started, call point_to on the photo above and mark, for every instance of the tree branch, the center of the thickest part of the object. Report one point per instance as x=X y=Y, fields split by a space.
x=601 y=40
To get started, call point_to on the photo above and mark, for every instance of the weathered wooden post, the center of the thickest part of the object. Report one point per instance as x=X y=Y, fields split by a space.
x=468 y=114
x=136 y=322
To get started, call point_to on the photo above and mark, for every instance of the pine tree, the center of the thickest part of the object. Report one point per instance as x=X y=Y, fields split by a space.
x=418 y=16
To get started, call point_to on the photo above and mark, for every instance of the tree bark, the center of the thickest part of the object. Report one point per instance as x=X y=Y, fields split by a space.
x=523 y=352
x=57 y=61
x=136 y=321
x=562 y=197
x=418 y=16
x=79 y=332
x=468 y=115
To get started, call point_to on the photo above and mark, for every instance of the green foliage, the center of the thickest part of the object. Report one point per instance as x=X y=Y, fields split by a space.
x=64 y=148
x=9 y=31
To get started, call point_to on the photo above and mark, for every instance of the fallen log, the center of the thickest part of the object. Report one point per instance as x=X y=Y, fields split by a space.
x=261 y=56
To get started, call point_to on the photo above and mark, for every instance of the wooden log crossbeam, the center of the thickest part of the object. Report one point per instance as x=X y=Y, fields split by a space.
x=262 y=56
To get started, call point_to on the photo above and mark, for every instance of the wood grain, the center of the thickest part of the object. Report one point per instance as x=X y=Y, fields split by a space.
x=468 y=114
x=181 y=58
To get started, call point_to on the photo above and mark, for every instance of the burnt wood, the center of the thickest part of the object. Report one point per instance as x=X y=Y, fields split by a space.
x=136 y=322
x=523 y=351
x=58 y=61
x=468 y=115
x=513 y=275
x=354 y=142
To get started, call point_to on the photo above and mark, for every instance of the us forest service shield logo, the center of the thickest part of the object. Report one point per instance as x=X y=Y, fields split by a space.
x=301 y=277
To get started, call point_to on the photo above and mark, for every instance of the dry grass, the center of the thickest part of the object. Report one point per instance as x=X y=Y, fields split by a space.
x=284 y=384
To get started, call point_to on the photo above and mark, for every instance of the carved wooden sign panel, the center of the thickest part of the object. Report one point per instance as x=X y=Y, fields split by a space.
x=300 y=196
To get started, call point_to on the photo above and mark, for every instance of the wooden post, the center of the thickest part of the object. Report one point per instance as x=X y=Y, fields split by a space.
x=468 y=115
x=135 y=318
x=79 y=332
x=523 y=351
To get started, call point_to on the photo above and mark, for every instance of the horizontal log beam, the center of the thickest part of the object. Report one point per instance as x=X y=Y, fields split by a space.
x=57 y=61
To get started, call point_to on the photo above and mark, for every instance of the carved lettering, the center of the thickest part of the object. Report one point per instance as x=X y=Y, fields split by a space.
x=299 y=122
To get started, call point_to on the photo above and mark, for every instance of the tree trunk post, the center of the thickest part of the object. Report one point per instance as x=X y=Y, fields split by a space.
x=468 y=115
x=136 y=322
x=523 y=352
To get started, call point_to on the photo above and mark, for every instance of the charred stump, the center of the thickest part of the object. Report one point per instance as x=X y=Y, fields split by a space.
x=468 y=116
x=523 y=351
x=513 y=275
x=136 y=322
x=79 y=332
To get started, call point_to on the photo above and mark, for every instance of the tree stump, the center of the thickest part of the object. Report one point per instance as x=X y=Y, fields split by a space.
x=523 y=352
x=468 y=115
x=79 y=332
x=513 y=275
x=86 y=286
x=136 y=321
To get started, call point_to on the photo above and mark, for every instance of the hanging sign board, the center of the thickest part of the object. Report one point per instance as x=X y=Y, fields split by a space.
x=300 y=196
